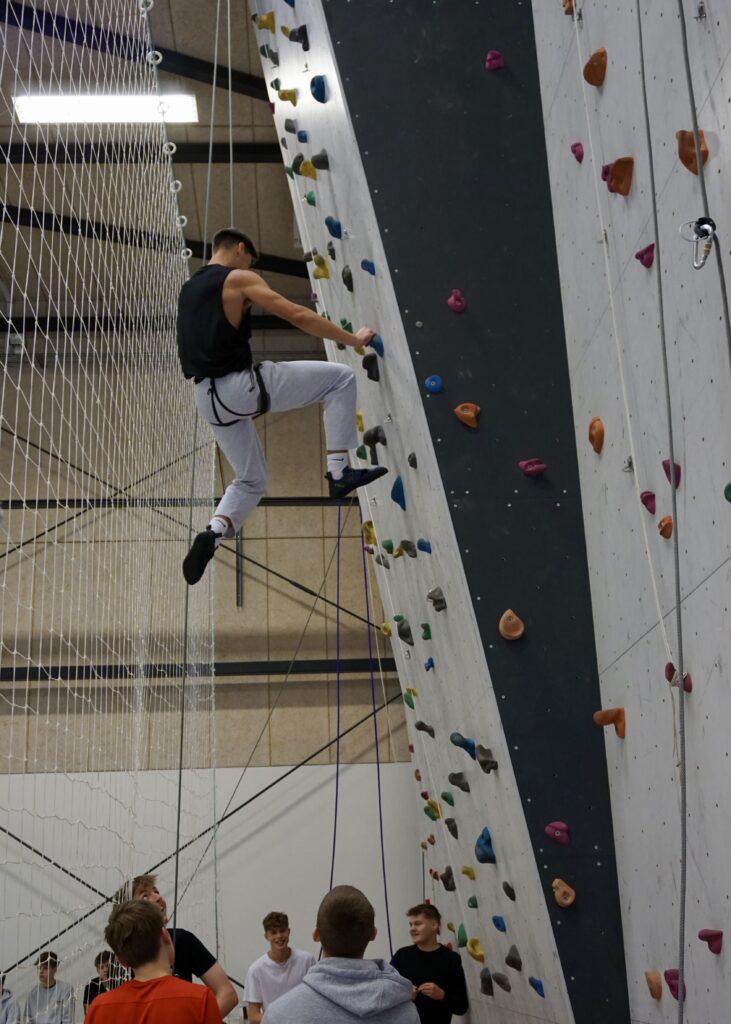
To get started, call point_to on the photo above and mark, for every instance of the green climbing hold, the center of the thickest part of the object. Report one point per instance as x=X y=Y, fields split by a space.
x=388 y=546
x=425 y=631
x=398 y=618
x=727 y=492
x=461 y=936
x=346 y=324
x=430 y=812
x=361 y=452
x=409 y=700
x=276 y=84
x=325 y=315
x=448 y=798
x=290 y=172
x=311 y=198
x=472 y=902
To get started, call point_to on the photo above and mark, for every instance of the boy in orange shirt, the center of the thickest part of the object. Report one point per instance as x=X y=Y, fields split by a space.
x=140 y=941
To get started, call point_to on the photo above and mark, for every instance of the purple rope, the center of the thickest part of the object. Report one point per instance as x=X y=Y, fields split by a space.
x=378 y=756
x=337 y=686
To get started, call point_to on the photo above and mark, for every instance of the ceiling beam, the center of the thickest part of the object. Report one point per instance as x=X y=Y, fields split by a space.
x=102 y=153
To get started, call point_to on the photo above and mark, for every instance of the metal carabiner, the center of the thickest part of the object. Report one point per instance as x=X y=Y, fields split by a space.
x=704 y=233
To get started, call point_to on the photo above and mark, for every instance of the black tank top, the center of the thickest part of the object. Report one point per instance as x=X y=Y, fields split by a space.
x=208 y=345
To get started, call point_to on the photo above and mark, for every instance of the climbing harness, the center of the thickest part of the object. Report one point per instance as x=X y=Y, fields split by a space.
x=262 y=406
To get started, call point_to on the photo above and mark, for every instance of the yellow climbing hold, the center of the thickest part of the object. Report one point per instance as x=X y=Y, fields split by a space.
x=386 y=629
x=413 y=691
x=476 y=951
x=359 y=423
x=288 y=95
x=369 y=533
x=398 y=552
x=265 y=21
x=450 y=925
x=321 y=271
x=307 y=170
x=360 y=350
x=435 y=808
x=467 y=870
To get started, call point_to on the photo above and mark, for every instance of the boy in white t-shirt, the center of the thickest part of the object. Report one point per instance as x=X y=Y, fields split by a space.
x=278 y=971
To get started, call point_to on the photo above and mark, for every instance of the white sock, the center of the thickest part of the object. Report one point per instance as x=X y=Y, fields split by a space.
x=336 y=463
x=219 y=527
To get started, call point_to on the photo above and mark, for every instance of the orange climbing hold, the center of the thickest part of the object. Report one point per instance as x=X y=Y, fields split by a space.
x=654 y=983
x=612 y=716
x=620 y=175
x=563 y=894
x=568 y=7
x=510 y=626
x=467 y=413
x=665 y=527
x=686 y=149
x=596 y=434
x=595 y=69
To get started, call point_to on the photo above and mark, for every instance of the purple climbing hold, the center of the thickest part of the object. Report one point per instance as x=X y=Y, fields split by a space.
x=606 y=171
x=429 y=664
x=464 y=743
x=318 y=88
x=369 y=267
x=646 y=256
x=537 y=984
x=676 y=473
x=673 y=982
x=532 y=467
x=483 y=848
x=397 y=493
x=456 y=301
x=423 y=545
x=648 y=500
x=558 y=831
x=494 y=60
x=578 y=150
x=499 y=923
x=671 y=674
x=713 y=937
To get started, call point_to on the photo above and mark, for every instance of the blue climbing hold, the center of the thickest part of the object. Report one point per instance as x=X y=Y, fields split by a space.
x=334 y=227
x=483 y=848
x=369 y=266
x=290 y=2
x=434 y=384
x=317 y=88
x=423 y=545
x=397 y=492
x=376 y=344
x=303 y=136
x=466 y=744
x=429 y=664
x=537 y=984
x=499 y=923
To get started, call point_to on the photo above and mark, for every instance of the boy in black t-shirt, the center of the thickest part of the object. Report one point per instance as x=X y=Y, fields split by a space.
x=102 y=981
x=435 y=971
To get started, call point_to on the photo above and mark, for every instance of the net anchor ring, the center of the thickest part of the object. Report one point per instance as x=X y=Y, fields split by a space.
x=186 y=253
x=181 y=220
x=702 y=234
x=169 y=148
x=153 y=57
x=145 y=6
x=175 y=185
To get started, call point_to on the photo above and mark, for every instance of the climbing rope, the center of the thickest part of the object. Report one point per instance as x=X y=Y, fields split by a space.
x=337 y=704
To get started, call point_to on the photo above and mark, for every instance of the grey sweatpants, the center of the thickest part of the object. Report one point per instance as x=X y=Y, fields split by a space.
x=291 y=385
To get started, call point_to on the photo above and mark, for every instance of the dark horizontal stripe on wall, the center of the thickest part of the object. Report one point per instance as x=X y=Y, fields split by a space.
x=107 y=153
x=90 y=323
x=36 y=504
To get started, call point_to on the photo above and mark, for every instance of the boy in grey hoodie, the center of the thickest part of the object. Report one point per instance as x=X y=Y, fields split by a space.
x=344 y=988
x=9 y=1012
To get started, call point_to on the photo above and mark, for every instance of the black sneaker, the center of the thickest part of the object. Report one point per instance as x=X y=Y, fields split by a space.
x=353 y=478
x=201 y=552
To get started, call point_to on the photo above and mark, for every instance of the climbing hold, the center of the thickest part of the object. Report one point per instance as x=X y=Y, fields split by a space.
x=369 y=549
x=654 y=983
x=499 y=923
x=509 y=891
x=434 y=384
x=347 y=326
x=369 y=532
x=612 y=716
x=450 y=926
x=537 y=984
x=297 y=35
x=334 y=227
x=619 y=176
x=431 y=839
x=417 y=775
x=727 y=492
x=467 y=413
x=437 y=598
x=386 y=629
x=646 y=256
x=532 y=467
x=376 y=344
x=463 y=743
x=648 y=500
x=494 y=60
x=270 y=54
x=452 y=826
x=397 y=493
x=568 y=7
x=513 y=959
x=411 y=459
x=595 y=69
x=713 y=937
x=471 y=900
x=311 y=199
x=468 y=871
x=425 y=631
x=563 y=894
x=665 y=527
x=485 y=979
x=447 y=798
x=447 y=878
x=483 y=848
x=672 y=980
x=347 y=275
x=485 y=759
x=382 y=560
x=370 y=365
x=303 y=136
x=409 y=700
x=578 y=150
x=457 y=779
x=369 y=267
x=686 y=149
x=290 y=126
x=676 y=472
x=431 y=810
x=318 y=88
x=321 y=271
x=331 y=253
x=424 y=846
x=387 y=545
x=461 y=936
x=275 y=84
x=423 y=545
x=671 y=674
x=288 y=96
x=558 y=831
x=321 y=160
x=408 y=548
x=510 y=626
x=265 y=21
x=596 y=434
x=423 y=727
x=307 y=170
x=429 y=664
x=372 y=437
x=502 y=981
x=456 y=301
x=475 y=950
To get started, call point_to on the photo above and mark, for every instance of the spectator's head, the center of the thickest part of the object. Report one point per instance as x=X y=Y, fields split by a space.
x=137 y=934
x=142 y=887
x=345 y=923
x=424 y=924
x=47 y=964
x=101 y=962
x=276 y=930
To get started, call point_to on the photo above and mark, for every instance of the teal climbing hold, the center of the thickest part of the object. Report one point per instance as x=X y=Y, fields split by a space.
x=398 y=618
x=472 y=902
x=464 y=743
x=361 y=452
x=423 y=545
x=727 y=492
x=311 y=198
x=499 y=923
x=387 y=545
x=448 y=798
x=409 y=700
x=397 y=493
x=346 y=325
x=369 y=267
x=483 y=848
x=430 y=812
x=334 y=227
x=537 y=984
x=318 y=88
x=425 y=631
x=461 y=936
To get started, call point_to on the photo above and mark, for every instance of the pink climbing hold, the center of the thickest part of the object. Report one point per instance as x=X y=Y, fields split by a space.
x=532 y=467
x=646 y=256
x=648 y=500
x=714 y=939
x=671 y=979
x=676 y=474
x=578 y=150
x=494 y=60
x=606 y=171
x=456 y=301
x=411 y=748
x=671 y=675
x=558 y=831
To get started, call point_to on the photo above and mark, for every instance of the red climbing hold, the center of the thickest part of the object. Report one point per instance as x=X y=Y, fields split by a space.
x=467 y=413
x=713 y=938
x=671 y=674
x=494 y=60
x=532 y=467
x=648 y=500
x=646 y=256
x=686 y=149
x=671 y=978
x=595 y=69
x=456 y=301
x=558 y=831
x=578 y=150
x=676 y=474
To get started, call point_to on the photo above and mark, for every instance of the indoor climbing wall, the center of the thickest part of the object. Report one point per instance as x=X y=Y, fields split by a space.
x=603 y=124
x=404 y=133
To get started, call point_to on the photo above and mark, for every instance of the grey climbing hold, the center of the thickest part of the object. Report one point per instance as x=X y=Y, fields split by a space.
x=452 y=826
x=290 y=125
x=513 y=959
x=411 y=459
x=485 y=759
x=299 y=35
x=320 y=160
x=509 y=891
x=408 y=548
x=370 y=365
x=423 y=727
x=404 y=631
x=447 y=877
x=382 y=560
x=347 y=276
x=502 y=981
x=372 y=437
x=297 y=160
x=457 y=779
x=331 y=251
x=436 y=597
x=486 y=982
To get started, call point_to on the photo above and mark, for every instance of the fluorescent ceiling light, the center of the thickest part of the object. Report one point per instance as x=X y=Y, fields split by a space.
x=173 y=108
